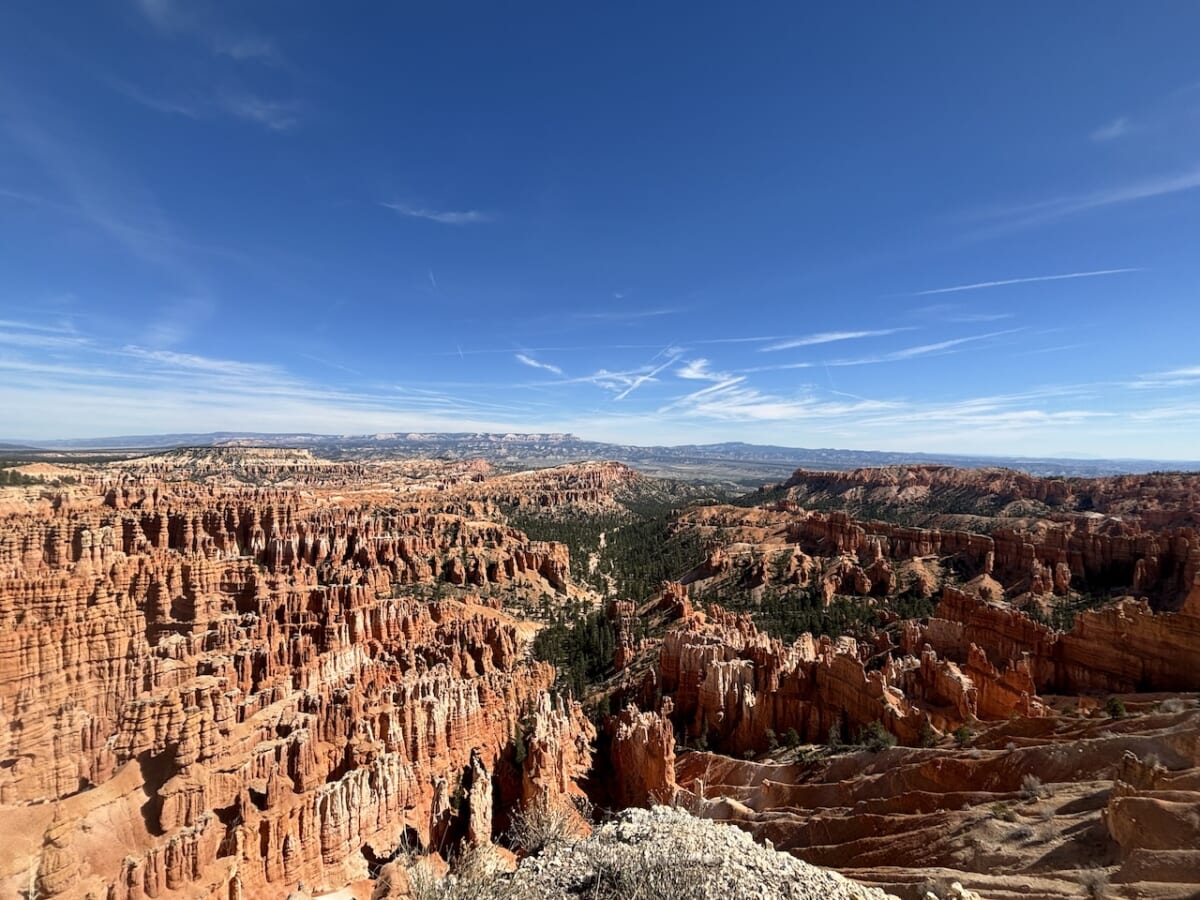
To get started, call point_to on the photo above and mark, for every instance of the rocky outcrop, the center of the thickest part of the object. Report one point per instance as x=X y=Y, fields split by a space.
x=558 y=751
x=732 y=686
x=673 y=854
x=477 y=786
x=1047 y=537
x=642 y=752
x=590 y=487
x=1120 y=648
x=58 y=865
x=1053 y=559
x=1152 y=816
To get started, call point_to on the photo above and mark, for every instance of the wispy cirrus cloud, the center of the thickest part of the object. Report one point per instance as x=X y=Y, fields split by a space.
x=174 y=19
x=989 y=418
x=642 y=379
x=733 y=399
x=168 y=105
x=96 y=388
x=1118 y=127
x=170 y=359
x=699 y=370
x=90 y=188
x=1178 y=110
x=275 y=115
x=980 y=285
x=617 y=315
x=1184 y=376
x=247 y=47
x=907 y=353
x=171 y=19
x=921 y=349
x=624 y=382
x=1043 y=211
x=441 y=216
x=830 y=337
x=615 y=381
x=953 y=312
x=759 y=339
x=527 y=360
x=562 y=348
x=36 y=326
x=40 y=338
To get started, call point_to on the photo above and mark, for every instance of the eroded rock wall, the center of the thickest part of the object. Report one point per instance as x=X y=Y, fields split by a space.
x=230 y=691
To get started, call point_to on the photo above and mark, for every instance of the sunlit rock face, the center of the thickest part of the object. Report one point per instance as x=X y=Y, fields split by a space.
x=1016 y=743
x=219 y=690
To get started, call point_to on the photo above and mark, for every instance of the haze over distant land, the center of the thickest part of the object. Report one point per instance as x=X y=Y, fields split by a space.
x=922 y=230
x=735 y=462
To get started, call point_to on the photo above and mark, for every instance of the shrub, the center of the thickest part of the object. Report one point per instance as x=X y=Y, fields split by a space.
x=473 y=878
x=1003 y=811
x=1094 y=881
x=1115 y=707
x=423 y=882
x=645 y=876
x=791 y=738
x=963 y=736
x=927 y=737
x=876 y=738
x=772 y=739
x=542 y=823
x=1031 y=787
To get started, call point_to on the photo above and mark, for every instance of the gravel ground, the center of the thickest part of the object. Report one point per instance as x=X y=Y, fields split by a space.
x=667 y=853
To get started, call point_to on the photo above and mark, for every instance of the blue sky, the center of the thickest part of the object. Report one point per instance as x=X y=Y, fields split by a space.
x=924 y=228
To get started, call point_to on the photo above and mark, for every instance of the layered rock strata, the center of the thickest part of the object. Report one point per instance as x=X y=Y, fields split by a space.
x=1120 y=648
x=227 y=691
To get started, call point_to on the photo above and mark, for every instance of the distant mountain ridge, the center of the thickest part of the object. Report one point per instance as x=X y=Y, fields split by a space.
x=734 y=460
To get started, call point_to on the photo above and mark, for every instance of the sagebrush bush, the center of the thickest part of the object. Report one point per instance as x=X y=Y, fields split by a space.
x=1004 y=812
x=542 y=823
x=475 y=874
x=643 y=876
x=1095 y=882
x=1021 y=833
x=1031 y=787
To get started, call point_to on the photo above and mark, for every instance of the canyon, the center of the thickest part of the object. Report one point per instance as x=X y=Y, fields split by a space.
x=256 y=672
